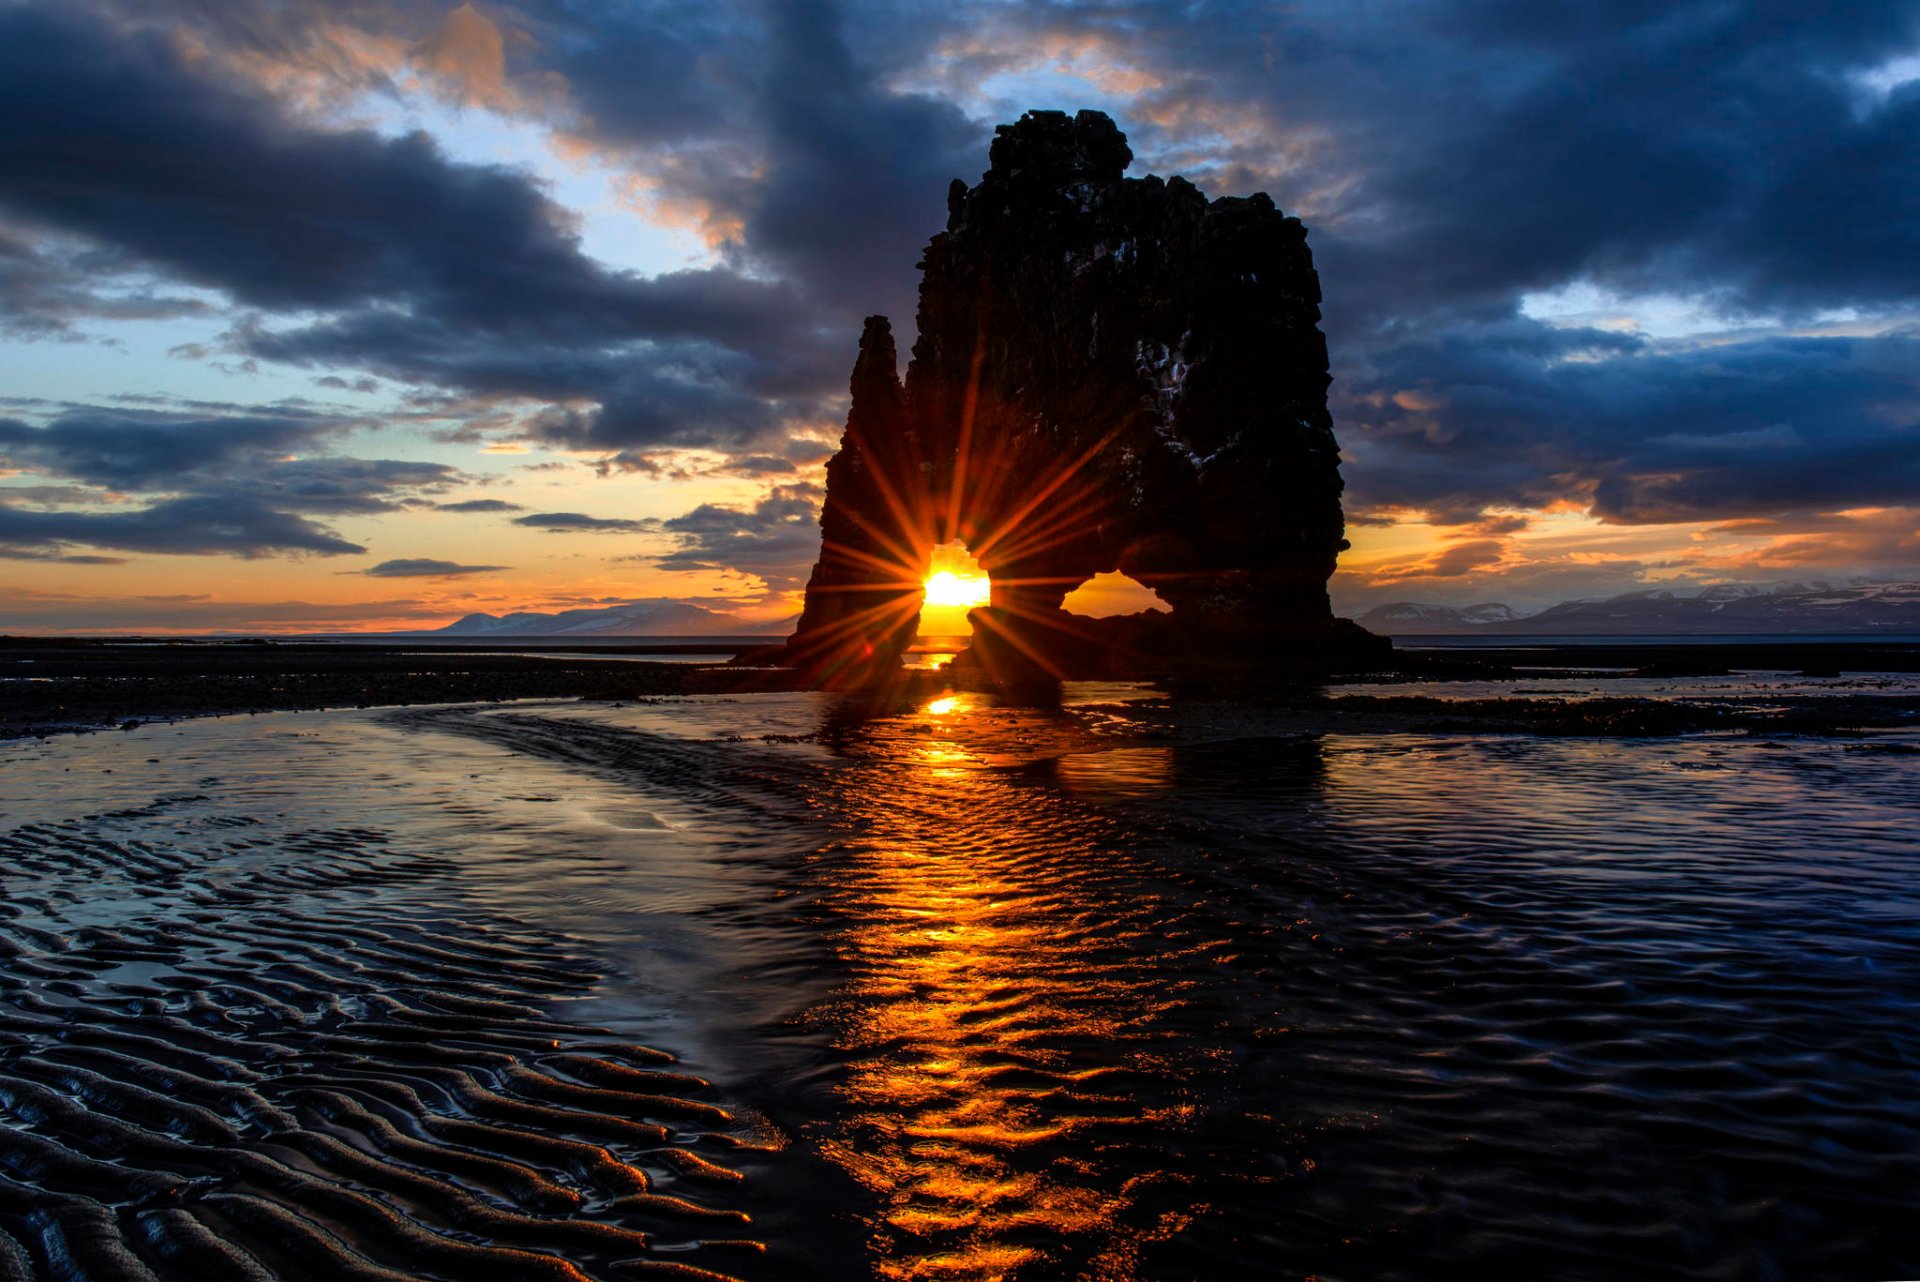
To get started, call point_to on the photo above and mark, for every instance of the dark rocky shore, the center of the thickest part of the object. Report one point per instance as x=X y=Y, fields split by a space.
x=59 y=685
x=51 y=685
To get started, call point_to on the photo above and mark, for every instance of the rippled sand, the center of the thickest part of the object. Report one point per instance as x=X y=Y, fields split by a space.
x=1114 y=990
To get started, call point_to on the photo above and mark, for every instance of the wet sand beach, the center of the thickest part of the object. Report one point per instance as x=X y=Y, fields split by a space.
x=239 y=1046
x=785 y=985
x=52 y=686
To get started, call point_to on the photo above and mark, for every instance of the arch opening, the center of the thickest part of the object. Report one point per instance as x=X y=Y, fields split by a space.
x=955 y=585
x=1111 y=593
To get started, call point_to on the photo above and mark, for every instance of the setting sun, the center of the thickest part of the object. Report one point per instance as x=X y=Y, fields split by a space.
x=955 y=584
x=944 y=587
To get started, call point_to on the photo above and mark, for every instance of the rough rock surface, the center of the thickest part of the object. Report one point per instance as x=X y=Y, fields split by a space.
x=1111 y=374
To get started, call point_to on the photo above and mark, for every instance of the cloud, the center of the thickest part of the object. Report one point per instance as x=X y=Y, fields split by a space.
x=1451 y=561
x=26 y=610
x=142 y=450
x=1641 y=434
x=47 y=285
x=396 y=259
x=480 y=505
x=57 y=495
x=777 y=539
x=467 y=50
x=680 y=467
x=1452 y=163
x=231 y=525
x=567 y=522
x=334 y=381
x=419 y=568
x=1886 y=540
x=63 y=558
x=339 y=485
x=213 y=457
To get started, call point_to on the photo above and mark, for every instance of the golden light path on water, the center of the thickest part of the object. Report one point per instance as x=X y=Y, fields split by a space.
x=1126 y=989
x=976 y=1004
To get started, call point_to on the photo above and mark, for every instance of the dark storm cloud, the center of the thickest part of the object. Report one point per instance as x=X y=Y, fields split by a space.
x=857 y=173
x=1449 y=159
x=422 y=568
x=232 y=525
x=788 y=142
x=1493 y=417
x=1460 y=156
x=569 y=522
x=119 y=140
x=425 y=270
x=1456 y=155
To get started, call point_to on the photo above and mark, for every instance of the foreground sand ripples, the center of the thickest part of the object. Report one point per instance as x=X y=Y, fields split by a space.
x=1161 y=996
x=1120 y=991
x=230 y=1051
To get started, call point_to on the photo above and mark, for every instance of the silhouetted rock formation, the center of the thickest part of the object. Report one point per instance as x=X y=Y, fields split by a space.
x=1111 y=374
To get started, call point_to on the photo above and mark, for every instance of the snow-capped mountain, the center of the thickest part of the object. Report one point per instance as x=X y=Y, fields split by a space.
x=1734 y=609
x=1412 y=616
x=636 y=618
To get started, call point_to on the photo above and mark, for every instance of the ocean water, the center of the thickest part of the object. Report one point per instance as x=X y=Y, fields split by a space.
x=1118 y=989
x=1521 y=640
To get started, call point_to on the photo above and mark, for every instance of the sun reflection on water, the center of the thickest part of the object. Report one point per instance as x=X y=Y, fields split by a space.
x=982 y=1022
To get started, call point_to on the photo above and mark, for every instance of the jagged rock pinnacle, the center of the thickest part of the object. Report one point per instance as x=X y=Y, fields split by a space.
x=1111 y=373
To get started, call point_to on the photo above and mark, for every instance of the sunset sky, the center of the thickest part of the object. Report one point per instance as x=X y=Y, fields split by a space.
x=329 y=316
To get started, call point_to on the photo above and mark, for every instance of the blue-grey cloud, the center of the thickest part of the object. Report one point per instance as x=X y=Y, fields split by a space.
x=480 y=505
x=569 y=522
x=424 y=568
x=340 y=485
x=1449 y=161
x=777 y=538
x=422 y=269
x=47 y=289
x=62 y=558
x=231 y=525
x=1520 y=415
x=144 y=449
x=246 y=455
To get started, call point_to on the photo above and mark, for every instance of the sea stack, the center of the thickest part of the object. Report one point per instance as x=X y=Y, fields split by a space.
x=1111 y=374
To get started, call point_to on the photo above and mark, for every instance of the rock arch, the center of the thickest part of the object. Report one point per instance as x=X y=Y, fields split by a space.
x=1111 y=374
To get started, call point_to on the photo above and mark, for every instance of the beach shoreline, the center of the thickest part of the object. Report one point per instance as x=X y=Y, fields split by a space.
x=54 y=686
x=906 y=949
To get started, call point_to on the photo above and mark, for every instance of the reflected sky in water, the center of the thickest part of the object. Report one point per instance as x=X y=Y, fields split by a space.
x=1127 y=1009
x=1130 y=988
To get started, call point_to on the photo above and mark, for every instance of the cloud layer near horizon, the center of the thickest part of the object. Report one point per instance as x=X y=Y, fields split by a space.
x=1652 y=263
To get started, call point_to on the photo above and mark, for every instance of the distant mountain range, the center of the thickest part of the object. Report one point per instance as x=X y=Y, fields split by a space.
x=637 y=618
x=1746 y=609
x=1861 y=609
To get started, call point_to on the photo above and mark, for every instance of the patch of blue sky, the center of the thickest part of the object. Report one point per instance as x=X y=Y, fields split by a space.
x=1005 y=95
x=1874 y=86
x=1586 y=304
x=1669 y=318
x=134 y=358
x=611 y=230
